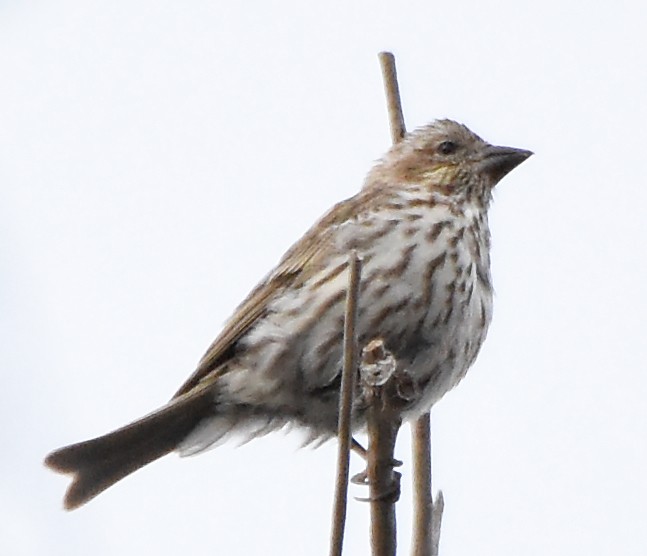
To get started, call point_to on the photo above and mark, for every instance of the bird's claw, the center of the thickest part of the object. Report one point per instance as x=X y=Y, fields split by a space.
x=391 y=494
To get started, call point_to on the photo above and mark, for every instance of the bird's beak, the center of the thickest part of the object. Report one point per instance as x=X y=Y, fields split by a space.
x=498 y=161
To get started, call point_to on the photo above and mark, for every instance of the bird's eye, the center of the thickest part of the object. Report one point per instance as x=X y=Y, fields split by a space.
x=447 y=147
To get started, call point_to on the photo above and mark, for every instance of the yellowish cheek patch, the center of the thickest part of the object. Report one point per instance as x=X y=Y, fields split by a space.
x=441 y=176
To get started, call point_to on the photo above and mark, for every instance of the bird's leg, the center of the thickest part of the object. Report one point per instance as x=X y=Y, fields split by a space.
x=361 y=478
x=358 y=449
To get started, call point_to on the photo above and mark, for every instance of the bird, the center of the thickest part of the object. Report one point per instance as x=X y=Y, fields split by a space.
x=420 y=226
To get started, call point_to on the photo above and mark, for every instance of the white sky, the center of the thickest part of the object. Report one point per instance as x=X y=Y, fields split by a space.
x=156 y=159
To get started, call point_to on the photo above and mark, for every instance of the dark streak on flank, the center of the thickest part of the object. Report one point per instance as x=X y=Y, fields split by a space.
x=336 y=271
x=435 y=231
x=458 y=236
x=329 y=304
x=326 y=346
x=376 y=323
x=402 y=265
x=483 y=276
x=433 y=265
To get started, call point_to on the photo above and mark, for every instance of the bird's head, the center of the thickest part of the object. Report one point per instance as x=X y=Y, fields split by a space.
x=448 y=158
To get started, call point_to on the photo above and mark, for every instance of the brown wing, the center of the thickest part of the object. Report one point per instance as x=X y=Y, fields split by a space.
x=297 y=264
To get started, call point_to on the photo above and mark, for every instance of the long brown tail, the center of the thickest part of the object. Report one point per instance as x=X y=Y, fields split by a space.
x=99 y=463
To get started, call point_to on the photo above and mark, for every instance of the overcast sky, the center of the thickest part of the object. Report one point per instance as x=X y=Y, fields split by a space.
x=157 y=158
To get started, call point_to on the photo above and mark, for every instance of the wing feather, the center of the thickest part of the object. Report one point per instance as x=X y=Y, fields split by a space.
x=295 y=267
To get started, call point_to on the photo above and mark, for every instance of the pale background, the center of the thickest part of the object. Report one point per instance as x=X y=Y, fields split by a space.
x=157 y=158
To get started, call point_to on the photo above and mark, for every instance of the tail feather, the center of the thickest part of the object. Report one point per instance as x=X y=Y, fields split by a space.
x=99 y=463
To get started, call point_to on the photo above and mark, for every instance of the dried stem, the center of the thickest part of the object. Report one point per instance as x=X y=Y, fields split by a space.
x=425 y=537
x=436 y=521
x=384 y=482
x=345 y=406
x=422 y=543
x=393 y=103
x=382 y=391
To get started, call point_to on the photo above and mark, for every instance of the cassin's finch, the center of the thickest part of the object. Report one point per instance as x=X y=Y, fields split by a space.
x=420 y=225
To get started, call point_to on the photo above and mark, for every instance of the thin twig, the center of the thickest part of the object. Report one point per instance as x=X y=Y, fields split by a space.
x=384 y=482
x=345 y=406
x=382 y=389
x=425 y=537
x=393 y=103
x=436 y=522
x=421 y=542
